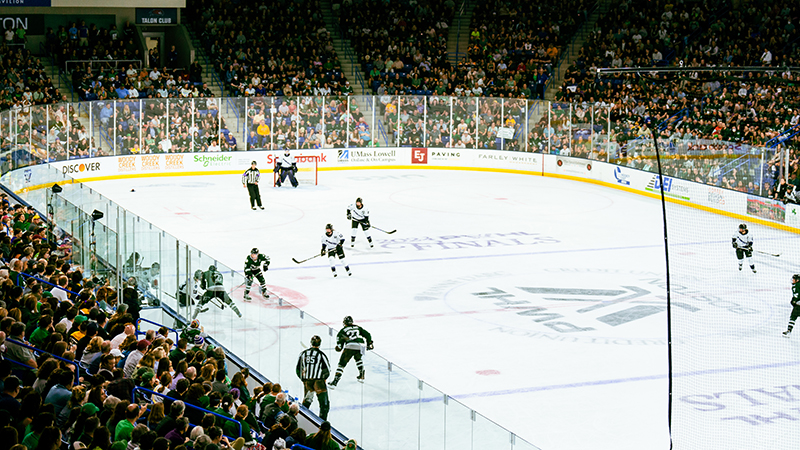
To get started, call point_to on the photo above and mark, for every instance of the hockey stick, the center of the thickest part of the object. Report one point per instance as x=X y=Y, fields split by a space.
x=387 y=232
x=307 y=259
x=770 y=254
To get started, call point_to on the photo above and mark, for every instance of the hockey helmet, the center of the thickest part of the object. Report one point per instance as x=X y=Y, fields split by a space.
x=316 y=341
x=254 y=251
x=743 y=228
x=329 y=227
x=347 y=321
x=212 y=268
x=252 y=163
x=198 y=274
x=795 y=278
x=358 y=200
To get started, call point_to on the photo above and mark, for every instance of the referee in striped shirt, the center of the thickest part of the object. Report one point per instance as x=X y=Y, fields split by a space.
x=250 y=181
x=313 y=369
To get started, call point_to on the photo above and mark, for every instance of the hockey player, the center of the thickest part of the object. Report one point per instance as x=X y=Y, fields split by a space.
x=253 y=267
x=795 y=304
x=743 y=243
x=250 y=181
x=332 y=242
x=313 y=369
x=286 y=166
x=186 y=298
x=357 y=214
x=352 y=341
x=212 y=283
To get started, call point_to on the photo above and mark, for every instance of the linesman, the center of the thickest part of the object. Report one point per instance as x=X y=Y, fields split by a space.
x=313 y=369
x=250 y=181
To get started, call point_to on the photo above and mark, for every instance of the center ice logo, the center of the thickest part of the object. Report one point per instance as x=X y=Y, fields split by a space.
x=597 y=306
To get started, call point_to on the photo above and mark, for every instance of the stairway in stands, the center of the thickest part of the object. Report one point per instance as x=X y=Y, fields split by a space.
x=347 y=56
x=459 y=31
x=574 y=48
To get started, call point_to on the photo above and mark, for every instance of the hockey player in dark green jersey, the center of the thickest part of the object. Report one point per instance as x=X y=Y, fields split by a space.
x=214 y=289
x=254 y=265
x=352 y=341
x=795 y=304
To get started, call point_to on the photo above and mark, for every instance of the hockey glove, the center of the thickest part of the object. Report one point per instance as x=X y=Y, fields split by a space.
x=265 y=267
x=339 y=248
x=294 y=167
x=366 y=222
x=338 y=348
x=733 y=244
x=322 y=252
x=276 y=169
x=349 y=217
x=370 y=346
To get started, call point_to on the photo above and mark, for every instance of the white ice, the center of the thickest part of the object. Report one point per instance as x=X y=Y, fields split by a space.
x=455 y=298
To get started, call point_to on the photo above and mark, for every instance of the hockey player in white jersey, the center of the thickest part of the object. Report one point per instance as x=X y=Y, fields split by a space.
x=357 y=214
x=743 y=243
x=286 y=166
x=332 y=242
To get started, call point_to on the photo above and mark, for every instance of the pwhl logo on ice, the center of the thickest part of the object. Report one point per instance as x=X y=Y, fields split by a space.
x=82 y=167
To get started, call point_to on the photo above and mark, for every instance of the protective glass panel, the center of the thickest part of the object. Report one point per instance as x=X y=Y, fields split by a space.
x=404 y=410
x=388 y=115
x=490 y=120
x=514 y=121
x=258 y=123
x=412 y=113
x=432 y=422
x=464 y=123
x=437 y=122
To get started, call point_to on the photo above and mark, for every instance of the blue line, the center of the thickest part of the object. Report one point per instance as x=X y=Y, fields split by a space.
x=581 y=384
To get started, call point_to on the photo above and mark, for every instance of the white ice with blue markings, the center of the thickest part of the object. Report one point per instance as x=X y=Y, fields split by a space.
x=537 y=302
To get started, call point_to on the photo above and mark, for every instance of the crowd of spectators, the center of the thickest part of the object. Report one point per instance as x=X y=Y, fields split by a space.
x=513 y=46
x=402 y=46
x=23 y=80
x=76 y=371
x=281 y=49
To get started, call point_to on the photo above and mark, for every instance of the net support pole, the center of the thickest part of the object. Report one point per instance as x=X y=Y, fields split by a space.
x=669 y=298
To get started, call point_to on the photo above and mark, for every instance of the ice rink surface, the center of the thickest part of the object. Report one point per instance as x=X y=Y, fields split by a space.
x=538 y=302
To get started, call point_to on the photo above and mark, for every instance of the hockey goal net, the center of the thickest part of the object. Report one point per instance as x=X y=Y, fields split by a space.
x=307 y=169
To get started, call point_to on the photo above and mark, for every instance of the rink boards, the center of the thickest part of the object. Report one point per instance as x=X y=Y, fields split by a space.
x=702 y=196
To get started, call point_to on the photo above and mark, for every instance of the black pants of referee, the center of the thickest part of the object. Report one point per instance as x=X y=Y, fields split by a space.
x=255 y=195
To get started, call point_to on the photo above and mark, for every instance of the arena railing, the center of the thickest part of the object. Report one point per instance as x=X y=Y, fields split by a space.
x=38 y=351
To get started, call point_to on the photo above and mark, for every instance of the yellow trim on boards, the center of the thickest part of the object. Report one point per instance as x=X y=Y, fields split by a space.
x=709 y=209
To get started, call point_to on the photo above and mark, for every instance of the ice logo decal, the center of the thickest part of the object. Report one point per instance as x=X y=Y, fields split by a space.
x=621 y=177
x=28 y=174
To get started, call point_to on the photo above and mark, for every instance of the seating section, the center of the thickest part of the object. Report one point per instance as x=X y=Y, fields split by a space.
x=281 y=49
x=25 y=81
x=81 y=367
